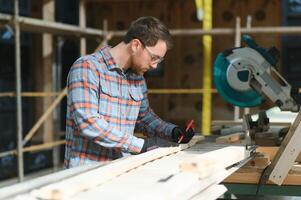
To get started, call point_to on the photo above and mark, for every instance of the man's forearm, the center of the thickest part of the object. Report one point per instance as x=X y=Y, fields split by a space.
x=152 y=125
x=98 y=129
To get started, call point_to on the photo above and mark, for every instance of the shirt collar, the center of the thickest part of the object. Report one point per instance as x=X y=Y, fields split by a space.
x=112 y=65
x=108 y=58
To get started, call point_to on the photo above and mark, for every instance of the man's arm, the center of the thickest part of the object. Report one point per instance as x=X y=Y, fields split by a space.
x=149 y=123
x=83 y=87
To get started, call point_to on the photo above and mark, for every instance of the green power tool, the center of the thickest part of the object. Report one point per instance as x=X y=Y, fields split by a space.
x=244 y=76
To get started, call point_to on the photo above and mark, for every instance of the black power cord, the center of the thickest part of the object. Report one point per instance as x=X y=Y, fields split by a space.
x=262 y=180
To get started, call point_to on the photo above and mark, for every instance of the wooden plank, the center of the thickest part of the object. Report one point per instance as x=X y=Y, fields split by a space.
x=82 y=24
x=69 y=187
x=231 y=122
x=296 y=169
x=45 y=115
x=152 y=180
x=35 y=25
x=47 y=60
x=134 y=183
x=252 y=175
x=9 y=191
x=271 y=151
x=232 y=138
x=186 y=189
x=286 y=155
x=211 y=193
x=259 y=161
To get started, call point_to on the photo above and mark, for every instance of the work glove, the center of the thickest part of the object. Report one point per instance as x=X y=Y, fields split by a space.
x=148 y=145
x=178 y=133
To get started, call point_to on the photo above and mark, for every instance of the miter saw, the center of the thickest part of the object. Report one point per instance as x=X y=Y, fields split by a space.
x=244 y=76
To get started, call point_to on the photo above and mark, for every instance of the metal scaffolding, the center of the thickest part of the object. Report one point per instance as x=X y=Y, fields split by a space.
x=21 y=23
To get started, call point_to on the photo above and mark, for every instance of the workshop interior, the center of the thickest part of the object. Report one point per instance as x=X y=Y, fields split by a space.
x=233 y=76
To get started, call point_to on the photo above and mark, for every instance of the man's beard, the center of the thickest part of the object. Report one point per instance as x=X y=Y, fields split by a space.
x=138 y=71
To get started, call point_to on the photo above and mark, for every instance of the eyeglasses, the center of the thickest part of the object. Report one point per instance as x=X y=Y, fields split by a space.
x=154 y=58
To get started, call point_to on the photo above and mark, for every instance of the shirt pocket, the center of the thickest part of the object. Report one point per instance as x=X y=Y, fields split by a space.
x=135 y=98
x=136 y=93
x=109 y=96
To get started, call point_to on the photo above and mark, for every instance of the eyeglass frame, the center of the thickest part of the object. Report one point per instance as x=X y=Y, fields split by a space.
x=154 y=58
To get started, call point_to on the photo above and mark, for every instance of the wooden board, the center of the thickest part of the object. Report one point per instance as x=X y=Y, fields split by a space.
x=286 y=155
x=82 y=182
x=232 y=138
x=154 y=180
x=212 y=192
x=252 y=175
x=272 y=152
x=150 y=175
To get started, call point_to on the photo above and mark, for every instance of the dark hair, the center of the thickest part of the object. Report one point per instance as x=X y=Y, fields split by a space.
x=148 y=30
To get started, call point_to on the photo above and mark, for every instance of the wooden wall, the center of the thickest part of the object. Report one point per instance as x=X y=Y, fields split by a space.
x=183 y=65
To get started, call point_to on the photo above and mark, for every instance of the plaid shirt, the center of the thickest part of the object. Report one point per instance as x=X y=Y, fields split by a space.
x=104 y=106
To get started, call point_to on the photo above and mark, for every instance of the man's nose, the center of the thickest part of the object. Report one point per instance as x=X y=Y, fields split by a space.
x=154 y=65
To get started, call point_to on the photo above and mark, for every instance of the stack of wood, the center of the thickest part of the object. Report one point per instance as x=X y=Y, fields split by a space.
x=191 y=171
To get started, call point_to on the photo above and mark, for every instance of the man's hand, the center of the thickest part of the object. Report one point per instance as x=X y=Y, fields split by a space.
x=148 y=146
x=179 y=132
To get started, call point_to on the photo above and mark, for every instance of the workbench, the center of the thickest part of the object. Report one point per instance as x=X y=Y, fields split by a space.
x=245 y=180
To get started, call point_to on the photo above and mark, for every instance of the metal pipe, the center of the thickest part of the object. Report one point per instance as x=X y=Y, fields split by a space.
x=18 y=93
x=237 y=43
x=248 y=26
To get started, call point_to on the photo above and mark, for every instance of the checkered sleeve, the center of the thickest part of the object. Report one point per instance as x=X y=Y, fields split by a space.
x=83 y=87
x=149 y=123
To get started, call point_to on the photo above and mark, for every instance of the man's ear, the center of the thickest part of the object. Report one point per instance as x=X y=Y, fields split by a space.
x=135 y=44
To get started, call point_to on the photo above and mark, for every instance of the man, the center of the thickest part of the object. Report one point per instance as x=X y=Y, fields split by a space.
x=107 y=98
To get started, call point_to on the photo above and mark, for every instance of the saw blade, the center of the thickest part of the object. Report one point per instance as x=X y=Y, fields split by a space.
x=248 y=98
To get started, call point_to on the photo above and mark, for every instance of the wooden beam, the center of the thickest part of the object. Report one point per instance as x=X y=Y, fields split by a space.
x=34 y=148
x=259 y=161
x=82 y=182
x=47 y=73
x=252 y=175
x=150 y=175
x=29 y=94
x=231 y=122
x=45 y=115
x=20 y=188
x=35 y=25
x=211 y=193
x=228 y=139
x=272 y=151
x=286 y=155
x=82 y=24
